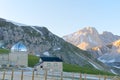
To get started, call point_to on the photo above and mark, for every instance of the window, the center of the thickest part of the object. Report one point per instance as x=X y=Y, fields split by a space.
x=41 y=66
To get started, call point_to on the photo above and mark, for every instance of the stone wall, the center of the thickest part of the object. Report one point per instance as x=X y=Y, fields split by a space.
x=18 y=58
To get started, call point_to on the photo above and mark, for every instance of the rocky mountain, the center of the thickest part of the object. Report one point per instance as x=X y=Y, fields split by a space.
x=109 y=54
x=40 y=41
x=84 y=38
x=104 y=47
x=108 y=37
x=89 y=37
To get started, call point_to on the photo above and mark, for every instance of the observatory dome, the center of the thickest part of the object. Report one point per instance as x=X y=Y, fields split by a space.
x=18 y=47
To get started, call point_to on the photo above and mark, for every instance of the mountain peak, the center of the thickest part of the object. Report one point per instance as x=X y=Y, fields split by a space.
x=107 y=33
x=89 y=30
x=87 y=37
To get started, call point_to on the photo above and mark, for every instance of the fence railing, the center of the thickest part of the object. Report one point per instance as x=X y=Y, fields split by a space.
x=46 y=75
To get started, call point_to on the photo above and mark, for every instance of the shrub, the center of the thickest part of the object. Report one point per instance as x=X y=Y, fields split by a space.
x=32 y=60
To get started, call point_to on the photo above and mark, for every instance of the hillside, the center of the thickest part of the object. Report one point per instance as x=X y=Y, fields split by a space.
x=40 y=41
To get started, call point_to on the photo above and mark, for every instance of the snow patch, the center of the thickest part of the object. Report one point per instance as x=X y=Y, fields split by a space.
x=93 y=65
x=16 y=23
x=113 y=71
x=55 y=49
x=102 y=60
x=116 y=67
x=89 y=38
x=46 y=53
x=111 y=61
x=106 y=61
x=36 y=30
x=81 y=40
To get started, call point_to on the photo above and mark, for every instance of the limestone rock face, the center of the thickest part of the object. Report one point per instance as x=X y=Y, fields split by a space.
x=108 y=37
x=108 y=54
x=85 y=38
x=89 y=37
x=109 y=49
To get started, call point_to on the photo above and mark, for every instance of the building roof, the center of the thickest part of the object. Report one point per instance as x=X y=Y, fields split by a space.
x=51 y=59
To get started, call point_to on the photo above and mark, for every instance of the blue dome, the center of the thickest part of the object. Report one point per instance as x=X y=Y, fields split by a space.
x=18 y=47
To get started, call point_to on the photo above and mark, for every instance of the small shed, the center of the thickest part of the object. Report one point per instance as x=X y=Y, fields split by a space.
x=54 y=64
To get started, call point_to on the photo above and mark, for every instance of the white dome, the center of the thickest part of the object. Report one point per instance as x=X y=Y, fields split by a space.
x=18 y=47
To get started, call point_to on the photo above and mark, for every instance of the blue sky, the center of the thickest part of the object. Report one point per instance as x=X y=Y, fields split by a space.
x=63 y=17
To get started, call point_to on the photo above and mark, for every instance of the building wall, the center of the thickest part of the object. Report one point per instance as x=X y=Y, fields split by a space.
x=4 y=59
x=18 y=58
x=51 y=66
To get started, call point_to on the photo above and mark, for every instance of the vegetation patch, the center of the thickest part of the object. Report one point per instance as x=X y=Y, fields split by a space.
x=4 y=51
x=78 y=69
x=32 y=60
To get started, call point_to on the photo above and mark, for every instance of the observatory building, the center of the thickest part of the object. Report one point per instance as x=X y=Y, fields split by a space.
x=17 y=57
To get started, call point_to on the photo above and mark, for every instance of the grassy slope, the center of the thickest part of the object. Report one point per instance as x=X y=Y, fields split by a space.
x=75 y=68
x=4 y=51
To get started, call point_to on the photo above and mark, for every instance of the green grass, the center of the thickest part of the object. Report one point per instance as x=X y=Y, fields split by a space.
x=78 y=69
x=32 y=60
x=4 y=51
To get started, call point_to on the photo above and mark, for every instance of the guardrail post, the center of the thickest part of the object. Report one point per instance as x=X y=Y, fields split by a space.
x=61 y=75
x=45 y=75
x=22 y=75
x=105 y=77
x=99 y=77
x=33 y=75
x=85 y=77
x=12 y=74
x=72 y=76
x=4 y=75
x=80 y=76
